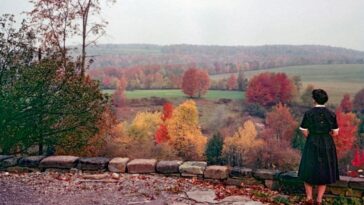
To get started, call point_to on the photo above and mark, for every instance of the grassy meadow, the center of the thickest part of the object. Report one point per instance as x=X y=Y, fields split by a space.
x=335 y=79
x=174 y=94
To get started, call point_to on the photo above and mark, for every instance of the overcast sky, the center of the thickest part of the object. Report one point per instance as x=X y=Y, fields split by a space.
x=229 y=22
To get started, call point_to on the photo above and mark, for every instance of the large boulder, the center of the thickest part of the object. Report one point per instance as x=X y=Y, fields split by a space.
x=61 y=162
x=216 y=172
x=142 y=166
x=32 y=161
x=93 y=163
x=168 y=167
x=193 y=167
x=9 y=162
x=118 y=164
x=263 y=174
x=357 y=183
x=240 y=172
x=4 y=157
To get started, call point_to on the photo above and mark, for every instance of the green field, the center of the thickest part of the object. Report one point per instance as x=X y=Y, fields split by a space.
x=211 y=94
x=335 y=79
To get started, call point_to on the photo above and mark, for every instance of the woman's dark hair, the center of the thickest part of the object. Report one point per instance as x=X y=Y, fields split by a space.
x=320 y=96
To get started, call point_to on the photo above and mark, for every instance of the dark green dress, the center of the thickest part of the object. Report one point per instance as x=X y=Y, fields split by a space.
x=319 y=164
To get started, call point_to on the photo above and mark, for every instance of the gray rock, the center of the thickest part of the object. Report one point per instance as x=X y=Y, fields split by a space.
x=236 y=199
x=202 y=196
x=271 y=184
x=263 y=174
x=61 y=162
x=343 y=182
x=234 y=181
x=118 y=164
x=216 y=172
x=240 y=172
x=93 y=163
x=142 y=166
x=356 y=183
x=3 y=157
x=193 y=167
x=9 y=162
x=32 y=161
x=168 y=167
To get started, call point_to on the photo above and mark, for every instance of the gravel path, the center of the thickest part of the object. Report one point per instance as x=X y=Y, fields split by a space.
x=84 y=189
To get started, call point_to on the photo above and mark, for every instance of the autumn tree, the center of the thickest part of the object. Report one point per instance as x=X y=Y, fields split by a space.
x=195 y=82
x=57 y=21
x=242 y=81
x=232 y=83
x=358 y=101
x=281 y=123
x=119 y=98
x=346 y=105
x=358 y=159
x=270 y=88
x=348 y=126
x=185 y=132
x=236 y=148
x=40 y=103
x=161 y=134
x=306 y=97
x=144 y=125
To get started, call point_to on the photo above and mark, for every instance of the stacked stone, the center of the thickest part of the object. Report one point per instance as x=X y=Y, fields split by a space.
x=287 y=182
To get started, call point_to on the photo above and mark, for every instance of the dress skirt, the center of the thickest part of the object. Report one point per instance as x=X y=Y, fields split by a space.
x=319 y=164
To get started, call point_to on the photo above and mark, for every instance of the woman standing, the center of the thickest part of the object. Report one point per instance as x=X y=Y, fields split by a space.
x=319 y=164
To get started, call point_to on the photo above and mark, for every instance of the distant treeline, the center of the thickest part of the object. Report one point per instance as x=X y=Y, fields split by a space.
x=220 y=59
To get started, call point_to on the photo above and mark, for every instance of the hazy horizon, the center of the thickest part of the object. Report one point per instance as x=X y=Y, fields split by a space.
x=333 y=23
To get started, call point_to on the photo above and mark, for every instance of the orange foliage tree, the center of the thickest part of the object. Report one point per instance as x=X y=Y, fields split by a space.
x=161 y=134
x=236 y=149
x=348 y=126
x=119 y=95
x=195 y=82
x=232 y=82
x=346 y=105
x=185 y=132
x=270 y=88
x=277 y=151
x=281 y=123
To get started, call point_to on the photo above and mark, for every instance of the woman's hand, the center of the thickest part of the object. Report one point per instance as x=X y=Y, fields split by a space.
x=334 y=133
x=305 y=133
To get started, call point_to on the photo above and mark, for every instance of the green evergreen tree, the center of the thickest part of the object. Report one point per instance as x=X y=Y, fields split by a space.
x=214 y=149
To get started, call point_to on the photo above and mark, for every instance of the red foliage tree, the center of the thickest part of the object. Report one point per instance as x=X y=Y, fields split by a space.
x=346 y=105
x=232 y=82
x=195 y=82
x=358 y=101
x=161 y=134
x=270 y=88
x=358 y=158
x=348 y=126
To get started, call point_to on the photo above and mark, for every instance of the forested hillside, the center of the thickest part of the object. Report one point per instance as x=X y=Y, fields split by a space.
x=221 y=59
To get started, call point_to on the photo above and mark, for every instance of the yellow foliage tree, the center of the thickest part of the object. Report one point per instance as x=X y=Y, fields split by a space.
x=185 y=132
x=144 y=125
x=237 y=147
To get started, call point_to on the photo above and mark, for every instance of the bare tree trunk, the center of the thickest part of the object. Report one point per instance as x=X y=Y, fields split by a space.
x=84 y=36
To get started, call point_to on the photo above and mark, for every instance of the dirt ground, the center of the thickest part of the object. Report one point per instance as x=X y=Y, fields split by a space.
x=81 y=189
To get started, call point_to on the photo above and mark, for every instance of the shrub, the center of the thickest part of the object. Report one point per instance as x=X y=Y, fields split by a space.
x=255 y=109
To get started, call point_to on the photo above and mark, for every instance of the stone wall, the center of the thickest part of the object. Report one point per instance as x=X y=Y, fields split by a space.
x=286 y=182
